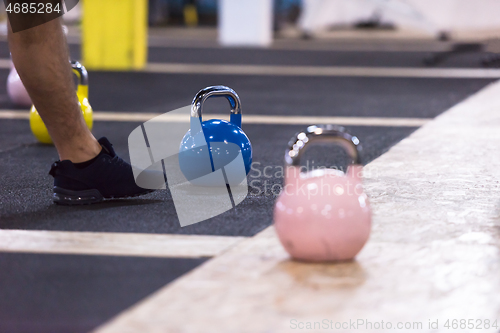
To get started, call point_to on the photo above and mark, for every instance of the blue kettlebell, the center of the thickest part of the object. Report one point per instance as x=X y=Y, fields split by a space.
x=215 y=144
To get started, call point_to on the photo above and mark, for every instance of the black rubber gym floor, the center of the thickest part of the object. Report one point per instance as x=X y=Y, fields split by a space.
x=308 y=57
x=273 y=95
x=70 y=293
x=73 y=293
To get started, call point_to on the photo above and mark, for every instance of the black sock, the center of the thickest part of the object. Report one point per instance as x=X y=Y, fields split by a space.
x=85 y=164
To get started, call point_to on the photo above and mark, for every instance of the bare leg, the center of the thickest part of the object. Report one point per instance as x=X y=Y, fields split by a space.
x=41 y=57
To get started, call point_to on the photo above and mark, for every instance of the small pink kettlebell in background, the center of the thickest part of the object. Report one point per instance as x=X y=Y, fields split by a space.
x=15 y=88
x=322 y=215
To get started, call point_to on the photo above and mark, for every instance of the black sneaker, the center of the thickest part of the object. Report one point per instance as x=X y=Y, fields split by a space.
x=104 y=177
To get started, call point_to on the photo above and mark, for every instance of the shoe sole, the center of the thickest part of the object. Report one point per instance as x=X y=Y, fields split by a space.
x=66 y=197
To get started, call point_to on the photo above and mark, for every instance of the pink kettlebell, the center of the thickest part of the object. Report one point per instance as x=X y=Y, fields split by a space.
x=322 y=215
x=16 y=90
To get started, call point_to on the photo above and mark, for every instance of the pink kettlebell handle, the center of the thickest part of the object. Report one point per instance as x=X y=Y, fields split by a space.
x=322 y=134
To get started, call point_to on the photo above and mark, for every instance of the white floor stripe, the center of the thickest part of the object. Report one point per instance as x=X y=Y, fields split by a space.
x=14 y=114
x=339 y=42
x=119 y=244
x=5 y=63
x=247 y=119
x=319 y=71
x=332 y=71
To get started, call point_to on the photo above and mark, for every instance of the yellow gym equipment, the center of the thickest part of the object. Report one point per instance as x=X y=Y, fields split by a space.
x=115 y=34
x=36 y=123
x=190 y=15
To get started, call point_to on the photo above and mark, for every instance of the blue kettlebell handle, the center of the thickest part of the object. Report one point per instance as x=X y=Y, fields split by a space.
x=218 y=91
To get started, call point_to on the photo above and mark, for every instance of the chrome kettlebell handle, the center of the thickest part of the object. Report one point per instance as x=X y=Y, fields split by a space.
x=214 y=91
x=322 y=134
x=83 y=75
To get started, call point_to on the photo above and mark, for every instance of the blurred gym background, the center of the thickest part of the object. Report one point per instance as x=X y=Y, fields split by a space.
x=118 y=29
